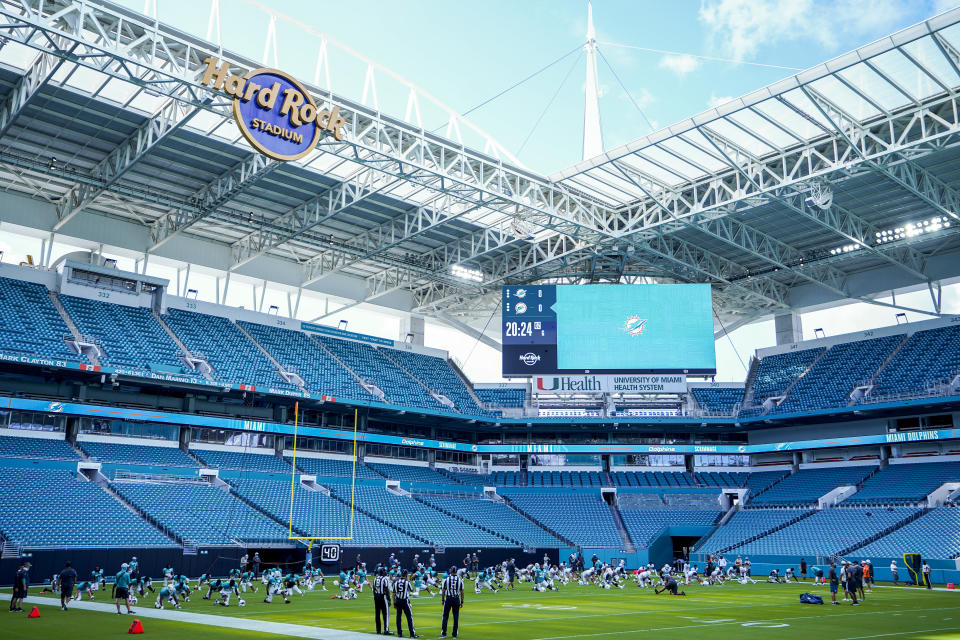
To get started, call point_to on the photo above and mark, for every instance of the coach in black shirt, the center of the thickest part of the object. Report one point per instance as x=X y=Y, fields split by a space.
x=68 y=578
x=451 y=591
x=381 y=601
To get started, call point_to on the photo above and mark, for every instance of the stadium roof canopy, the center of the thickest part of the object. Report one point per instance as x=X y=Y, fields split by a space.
x=839 y=183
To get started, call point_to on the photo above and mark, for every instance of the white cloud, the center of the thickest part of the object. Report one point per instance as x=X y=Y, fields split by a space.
x=715 y=100
x=681 y=64
x=743 y=27
x=939 y=6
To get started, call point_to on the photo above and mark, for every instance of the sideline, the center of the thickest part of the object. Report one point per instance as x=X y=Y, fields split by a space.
x=278 y=628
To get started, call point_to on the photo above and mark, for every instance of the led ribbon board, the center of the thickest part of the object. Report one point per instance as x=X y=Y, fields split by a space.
x=275 y=113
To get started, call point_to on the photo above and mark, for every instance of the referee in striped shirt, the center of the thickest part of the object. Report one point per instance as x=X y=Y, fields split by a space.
x=401 y=600
x=451 y=590
x=381 y=600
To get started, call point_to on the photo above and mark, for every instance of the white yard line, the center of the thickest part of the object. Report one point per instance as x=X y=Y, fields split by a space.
x=901 y=633
x=251 y=624
x=735 y=622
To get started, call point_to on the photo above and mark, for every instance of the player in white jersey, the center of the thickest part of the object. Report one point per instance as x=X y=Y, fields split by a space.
x=645 y=577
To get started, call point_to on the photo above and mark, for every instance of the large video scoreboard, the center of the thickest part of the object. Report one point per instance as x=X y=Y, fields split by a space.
x=577 y=329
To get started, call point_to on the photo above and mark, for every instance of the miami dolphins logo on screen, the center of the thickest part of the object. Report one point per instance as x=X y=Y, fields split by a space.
x=521 y=308
x=635 y=325
x=520 y=293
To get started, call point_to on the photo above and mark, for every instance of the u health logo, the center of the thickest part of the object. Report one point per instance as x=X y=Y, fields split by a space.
x=275 y=113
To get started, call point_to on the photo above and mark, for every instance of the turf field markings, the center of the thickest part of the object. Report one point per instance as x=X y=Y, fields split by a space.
x=700 y=626
x=900 y=633
x=207 y=619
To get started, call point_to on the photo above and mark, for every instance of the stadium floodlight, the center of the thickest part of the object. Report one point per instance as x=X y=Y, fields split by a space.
x=821 y=195
x=342 y=325
x=466 y=273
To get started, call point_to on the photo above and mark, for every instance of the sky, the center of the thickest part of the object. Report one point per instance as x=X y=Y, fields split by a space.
x=660 y=62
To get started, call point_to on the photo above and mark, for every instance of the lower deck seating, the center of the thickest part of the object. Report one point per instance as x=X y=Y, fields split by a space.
x=935 y=534
x=497 y=517
x=317 y=514
x=826 y=532
x=52 y=509
x=201 y=514
x=580 y=516
x=644 y=525
x=747 y=523
x=421 y=520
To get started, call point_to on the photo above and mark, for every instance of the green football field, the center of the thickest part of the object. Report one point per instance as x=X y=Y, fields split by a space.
x=729 y=611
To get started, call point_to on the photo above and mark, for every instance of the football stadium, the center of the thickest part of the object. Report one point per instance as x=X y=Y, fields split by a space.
x=225 y=411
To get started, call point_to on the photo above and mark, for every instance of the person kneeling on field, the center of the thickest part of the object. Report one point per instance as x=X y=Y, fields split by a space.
x=168 y=593
x=670 y=584
x=226 y=590
x=275 y=587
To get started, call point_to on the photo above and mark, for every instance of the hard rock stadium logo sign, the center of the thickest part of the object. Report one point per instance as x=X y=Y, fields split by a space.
x=275 y=113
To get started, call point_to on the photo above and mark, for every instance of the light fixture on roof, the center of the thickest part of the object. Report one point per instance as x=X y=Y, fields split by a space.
x=466 y=273
x=342 y=325
x=53 y=163
x=192 y=294
x=408 y=338
x=274 y=310
x=821 y=195
x=901 y=317
x=912 y=229
x=110 y=263
x=819 y=333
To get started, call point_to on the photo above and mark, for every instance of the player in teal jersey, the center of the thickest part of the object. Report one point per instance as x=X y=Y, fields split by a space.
x=202 y=580
x=84 y=586
x=226 y=590
x=246 y=581
x=121 y=588
x=212 y=585
x=167 y=594
x=182 y=587
x=347 y=592
x=96 y=577
x=275 y=587
x=291 y=584
x=360 y=578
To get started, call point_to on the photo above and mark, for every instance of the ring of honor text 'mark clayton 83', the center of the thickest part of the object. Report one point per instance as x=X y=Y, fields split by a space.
x=275 y=113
